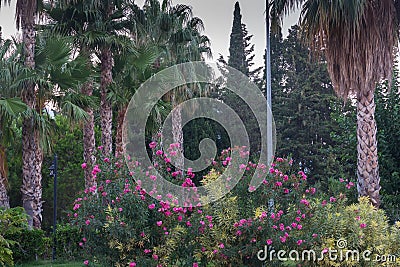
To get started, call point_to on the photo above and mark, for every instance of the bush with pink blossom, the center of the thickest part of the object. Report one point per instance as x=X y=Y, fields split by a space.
x=122 y=225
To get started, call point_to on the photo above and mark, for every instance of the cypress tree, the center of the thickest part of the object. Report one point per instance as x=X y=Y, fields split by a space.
x=237 y=57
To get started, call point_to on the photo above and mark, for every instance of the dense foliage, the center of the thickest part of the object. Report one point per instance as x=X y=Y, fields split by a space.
x=122 y=225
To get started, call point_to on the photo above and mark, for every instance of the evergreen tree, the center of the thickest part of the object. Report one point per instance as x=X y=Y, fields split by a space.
x=249 y=56
x=301 y=98
x=241 y=57
x=237 y=56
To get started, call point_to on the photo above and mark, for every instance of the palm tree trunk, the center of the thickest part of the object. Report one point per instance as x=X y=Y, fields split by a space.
x=4 y=201
x=89 y=143
x=177 y=133
x=31 y=195
x=37 y=201
x=367 y=161
x=106 y=109
x=28 y=167
x=118 y=137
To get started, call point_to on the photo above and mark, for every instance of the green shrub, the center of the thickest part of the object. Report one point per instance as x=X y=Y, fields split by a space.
x=68 y=241
x=31 y=244
x=122 y=226
x=12 y=222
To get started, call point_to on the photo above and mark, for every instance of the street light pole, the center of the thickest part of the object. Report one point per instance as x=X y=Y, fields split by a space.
x=53 y=172
x=268 y=86
x=271 y=202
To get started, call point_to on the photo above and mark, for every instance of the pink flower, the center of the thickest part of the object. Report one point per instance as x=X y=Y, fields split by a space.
x=341 y=180
x=159 y=223
x=269 y=241
x=283 y=239
x=106 y=160
x=299 y=226
x=298 y=219
x=108 y=181
x=87 y=222
x=299 y=242
x=86 y=262
x=242 y=166
x=152 y=145
x=323 y=204
x=155 y=256
x=286 y=191
x=305 y=202
x=80 y=244
x=179 y=218
x=332 y=199
x=159 y=152
x=84 y=165
x=147 y=251
x=314 y=235
x=221 y=245
x=132 y=264
x=188 y=224
x=152 y=206
x=278 y=184
x=84 y=239
x=363 y=225
x=195 y=264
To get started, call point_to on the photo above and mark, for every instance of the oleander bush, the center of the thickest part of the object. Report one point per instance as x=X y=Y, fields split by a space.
x=122 y=225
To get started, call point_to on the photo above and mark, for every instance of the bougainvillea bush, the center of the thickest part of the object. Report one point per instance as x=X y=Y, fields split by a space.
x=122 y=225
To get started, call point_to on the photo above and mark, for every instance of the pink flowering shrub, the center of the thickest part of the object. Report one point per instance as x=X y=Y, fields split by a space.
x=122 y=225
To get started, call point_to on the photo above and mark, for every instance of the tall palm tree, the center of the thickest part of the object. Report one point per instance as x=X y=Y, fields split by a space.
x=176 y=30
x=357 y=39
x=26 y=13
x=131 y=69
x=11 y=108
x=75 y=20
x=54 y=74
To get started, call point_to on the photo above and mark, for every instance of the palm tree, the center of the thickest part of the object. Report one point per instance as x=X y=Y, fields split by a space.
x=11 y=108
x=131 y=69
x=176 y=30
x=54 y=75
x=26 y=13
x=357 y=39
x=74 y=20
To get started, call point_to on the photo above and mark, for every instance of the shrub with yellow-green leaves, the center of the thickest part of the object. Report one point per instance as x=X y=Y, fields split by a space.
x=356 y=235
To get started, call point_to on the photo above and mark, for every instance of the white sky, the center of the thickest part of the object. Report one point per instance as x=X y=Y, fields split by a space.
x=217 y=16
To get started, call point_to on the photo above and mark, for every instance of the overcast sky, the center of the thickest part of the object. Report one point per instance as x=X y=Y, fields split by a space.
x=217 y=16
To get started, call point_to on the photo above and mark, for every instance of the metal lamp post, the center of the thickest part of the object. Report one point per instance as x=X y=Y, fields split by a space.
x=271 y=202
x=53 y=172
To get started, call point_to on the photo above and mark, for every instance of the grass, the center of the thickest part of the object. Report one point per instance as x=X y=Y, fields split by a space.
x=51 y=264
